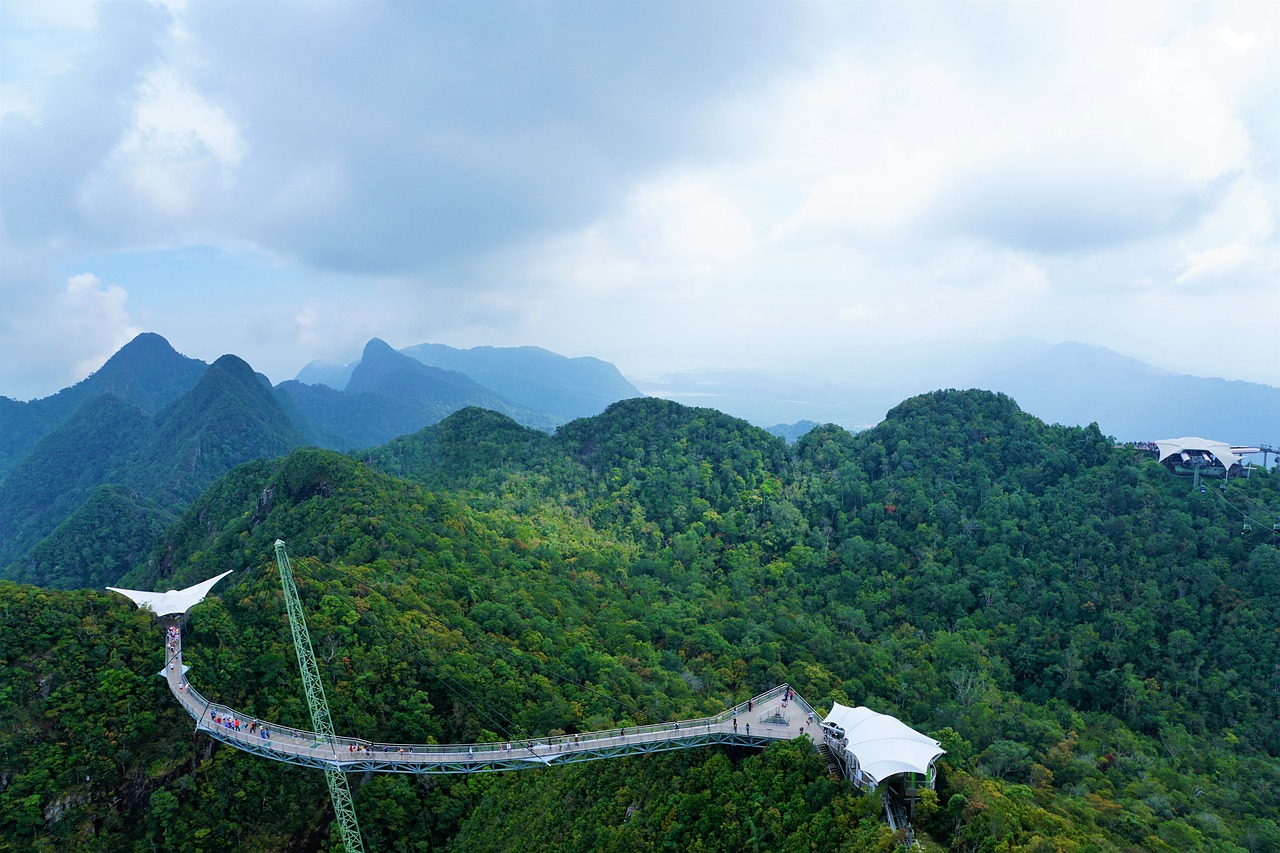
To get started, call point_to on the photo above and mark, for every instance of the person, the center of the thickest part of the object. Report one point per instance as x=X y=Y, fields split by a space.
x=677 y=727
x=748 y=728
x=735 y=725
x=751 y=704
x=471 y=753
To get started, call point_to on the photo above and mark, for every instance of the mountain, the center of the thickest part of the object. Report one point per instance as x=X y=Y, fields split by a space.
x=101 y=443
x=146 y=373
x=327 y=373
x=791 y=432
x=1072 y=383
x=1068 y=383
x=530 y=378
x=390 y=394
x=114 y=530
x=1092 y=641
x=230 y=417
x=535 y=378
x=161 y=463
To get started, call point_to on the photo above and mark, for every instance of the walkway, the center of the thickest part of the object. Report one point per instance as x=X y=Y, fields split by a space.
x=766 y=718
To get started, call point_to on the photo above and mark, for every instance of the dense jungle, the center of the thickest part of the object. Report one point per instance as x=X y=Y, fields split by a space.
x=1094 y=642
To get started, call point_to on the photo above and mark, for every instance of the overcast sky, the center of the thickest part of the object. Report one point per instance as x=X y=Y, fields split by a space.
x=662 y=185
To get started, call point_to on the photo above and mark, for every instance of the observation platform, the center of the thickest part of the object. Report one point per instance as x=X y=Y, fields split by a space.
x=765 y=718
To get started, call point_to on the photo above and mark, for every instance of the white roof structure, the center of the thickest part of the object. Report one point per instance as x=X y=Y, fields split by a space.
x=1219 y=450
x=883 y=745
x=175 y=602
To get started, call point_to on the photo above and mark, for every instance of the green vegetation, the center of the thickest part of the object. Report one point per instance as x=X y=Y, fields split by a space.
x=1093 y=643
x=158 y=465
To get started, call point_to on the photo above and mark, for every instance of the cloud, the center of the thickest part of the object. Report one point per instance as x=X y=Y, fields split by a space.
x=740 y=184
x=64 y=334
x=436 y=132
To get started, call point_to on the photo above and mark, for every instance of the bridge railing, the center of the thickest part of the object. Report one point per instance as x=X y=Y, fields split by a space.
x=287 y=739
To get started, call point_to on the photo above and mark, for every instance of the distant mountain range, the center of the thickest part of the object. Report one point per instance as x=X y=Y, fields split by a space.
x=111 y=460
x=531 y=378
x=1069 y=383
x=115 y=457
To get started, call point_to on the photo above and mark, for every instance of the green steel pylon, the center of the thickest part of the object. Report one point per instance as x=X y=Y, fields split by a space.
x=339 y=791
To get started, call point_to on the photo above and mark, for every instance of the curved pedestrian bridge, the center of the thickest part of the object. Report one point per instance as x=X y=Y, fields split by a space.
x=776 y=714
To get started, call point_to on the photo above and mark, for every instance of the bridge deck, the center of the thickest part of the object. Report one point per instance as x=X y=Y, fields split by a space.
x=765 y=718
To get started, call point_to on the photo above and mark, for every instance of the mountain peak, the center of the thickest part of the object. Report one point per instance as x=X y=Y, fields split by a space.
x=235 y=365
x=377 y=346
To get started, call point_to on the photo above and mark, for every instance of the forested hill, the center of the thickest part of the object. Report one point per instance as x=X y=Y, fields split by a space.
x=1093 y=643
x=146 y=373
x=89 y=496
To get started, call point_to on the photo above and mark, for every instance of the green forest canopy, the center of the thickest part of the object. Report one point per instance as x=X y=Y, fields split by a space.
x=1093 y=643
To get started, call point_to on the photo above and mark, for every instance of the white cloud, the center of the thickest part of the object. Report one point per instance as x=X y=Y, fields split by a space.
x=675 y=233
x=66 y=332
x=95 y=317
x=624 y=186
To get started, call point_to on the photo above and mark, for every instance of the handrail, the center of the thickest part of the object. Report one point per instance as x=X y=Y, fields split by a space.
x=290 y=740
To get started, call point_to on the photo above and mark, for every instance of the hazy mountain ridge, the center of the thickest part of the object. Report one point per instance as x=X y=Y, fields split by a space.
x=163 y=426
x=529 y=377
x=1068 y=383
x=534 y=377
x=390 y=394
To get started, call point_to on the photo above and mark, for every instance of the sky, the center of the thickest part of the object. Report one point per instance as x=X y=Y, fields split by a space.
x=664 y=185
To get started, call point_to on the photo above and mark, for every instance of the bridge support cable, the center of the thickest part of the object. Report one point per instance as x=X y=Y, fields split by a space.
x=339 y=790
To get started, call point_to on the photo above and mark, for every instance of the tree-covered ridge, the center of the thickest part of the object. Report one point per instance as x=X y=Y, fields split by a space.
x=114 y=530
x=165 y=461
x=146 y=373
x=1093 y=643
x=97 y=445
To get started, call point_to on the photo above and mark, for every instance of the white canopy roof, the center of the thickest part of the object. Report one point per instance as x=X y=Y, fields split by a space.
x=175 y=602
x=882 y=744
x=1220 y=450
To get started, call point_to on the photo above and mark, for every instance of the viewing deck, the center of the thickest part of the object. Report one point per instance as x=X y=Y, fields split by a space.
x=764 y=719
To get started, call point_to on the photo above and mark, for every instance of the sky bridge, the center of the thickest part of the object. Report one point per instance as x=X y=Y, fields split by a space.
x=776 y=714
x=868 y=748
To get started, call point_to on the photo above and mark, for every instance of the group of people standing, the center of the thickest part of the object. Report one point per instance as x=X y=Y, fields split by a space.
x=229 y=722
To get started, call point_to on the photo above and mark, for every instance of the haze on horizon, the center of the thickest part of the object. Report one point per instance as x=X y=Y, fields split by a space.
x=665 y=186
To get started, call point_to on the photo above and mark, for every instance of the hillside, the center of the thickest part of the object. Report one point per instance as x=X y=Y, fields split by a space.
x=146 y=373
x=160 y=465
x=97 y=445
x=1093 y=643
